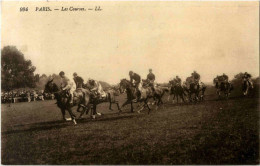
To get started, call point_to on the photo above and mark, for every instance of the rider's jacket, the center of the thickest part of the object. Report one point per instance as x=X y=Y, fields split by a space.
x=136 y=78
x=151 y=77
x=66 y=84
x=78 y=81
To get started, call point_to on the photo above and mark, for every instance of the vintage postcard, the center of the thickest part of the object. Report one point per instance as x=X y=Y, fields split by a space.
x=129 y=82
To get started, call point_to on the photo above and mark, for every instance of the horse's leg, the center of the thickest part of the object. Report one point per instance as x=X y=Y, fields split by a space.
x=63 y=114
x=181 y=96
x=219 y=93
x=132 y=108
x=110 y=105
x=147 y=106
x=73 y=117
x=124 y=104
x=169 y=97
x=141 y=108
x=82 y=112
x=94 y=110
x=118 y=108
x=78 y=108
x=174 y=95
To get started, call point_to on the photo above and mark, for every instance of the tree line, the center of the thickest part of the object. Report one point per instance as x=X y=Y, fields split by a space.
x=18 y=72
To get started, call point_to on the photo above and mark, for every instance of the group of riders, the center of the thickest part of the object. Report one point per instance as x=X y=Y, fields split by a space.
x=223 y=80
x=135 y=79
x=95 y=87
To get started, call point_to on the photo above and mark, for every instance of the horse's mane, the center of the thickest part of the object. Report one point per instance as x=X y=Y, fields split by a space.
x=52 y=89
x=124 y=79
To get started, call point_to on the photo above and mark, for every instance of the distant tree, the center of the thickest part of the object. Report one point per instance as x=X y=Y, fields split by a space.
x=43 y=76
x=257 y=80
x=16 y=71
x=37 y=77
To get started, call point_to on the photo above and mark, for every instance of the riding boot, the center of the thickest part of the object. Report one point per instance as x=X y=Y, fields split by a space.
x=71 y=99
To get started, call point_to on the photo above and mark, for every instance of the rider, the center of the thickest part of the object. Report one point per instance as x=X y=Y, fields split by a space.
x=247 y=77
x=135 y=80
x=225 y=77
x=78 y=80
x=151 y=79
x=196 y=77
x=216 y=81
x=178 y=80
x=96 y=88
x=67 y=84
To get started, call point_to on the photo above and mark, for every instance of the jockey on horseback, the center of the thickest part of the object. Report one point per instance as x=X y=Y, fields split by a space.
x=135 y=80
x=96 y=88
x=247 y=77
x=177 y=80
x=195 y=77
x=78 y=80
x=151 y=79
x=67 y=85
x=225 y=78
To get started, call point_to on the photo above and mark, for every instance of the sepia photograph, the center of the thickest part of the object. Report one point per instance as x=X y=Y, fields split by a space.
x=130 y=82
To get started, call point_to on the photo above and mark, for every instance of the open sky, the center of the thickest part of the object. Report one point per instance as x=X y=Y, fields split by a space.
x=172 y=38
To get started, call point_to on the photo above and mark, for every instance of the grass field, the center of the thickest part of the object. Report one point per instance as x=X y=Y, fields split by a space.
x=211 y=132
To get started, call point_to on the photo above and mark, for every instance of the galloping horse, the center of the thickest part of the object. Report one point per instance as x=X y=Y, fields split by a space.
x=132 y=94
x=146 y=93
x=247 y=87
x=226 y=88
x=195 y=89
x=110 y=97
x=81 y=97
x=177 y=91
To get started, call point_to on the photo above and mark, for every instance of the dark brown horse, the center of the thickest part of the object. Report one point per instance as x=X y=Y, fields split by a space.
x=195 y=89
x=146 y=93
x=81 y=97
x=224 y=87
x=247 y=87
x=177 y=91
x=132 y=94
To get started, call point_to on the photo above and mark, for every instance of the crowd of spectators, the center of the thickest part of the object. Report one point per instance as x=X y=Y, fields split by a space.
x=25 y=96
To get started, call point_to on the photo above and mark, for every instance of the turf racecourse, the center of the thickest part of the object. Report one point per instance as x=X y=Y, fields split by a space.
x=212 y=132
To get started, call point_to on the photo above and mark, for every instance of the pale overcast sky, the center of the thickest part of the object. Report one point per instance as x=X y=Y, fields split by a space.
x=172 y=38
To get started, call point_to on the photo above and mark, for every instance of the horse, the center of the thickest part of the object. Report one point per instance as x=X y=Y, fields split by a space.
x=225 y=87
x=247 y=87
x=81 y=97
x=195 y=89
x=147 y=92
x=158 y=91
x=126 y=85
x=177 y=91
x=110 y=96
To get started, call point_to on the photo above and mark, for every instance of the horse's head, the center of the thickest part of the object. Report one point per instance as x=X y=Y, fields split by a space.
x=123 y=85
x=51 y=87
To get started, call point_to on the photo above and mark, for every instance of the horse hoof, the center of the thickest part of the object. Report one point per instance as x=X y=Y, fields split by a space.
x=68 y=119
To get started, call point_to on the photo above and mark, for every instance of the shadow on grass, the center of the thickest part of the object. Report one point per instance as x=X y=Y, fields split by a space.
x=41 y=126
